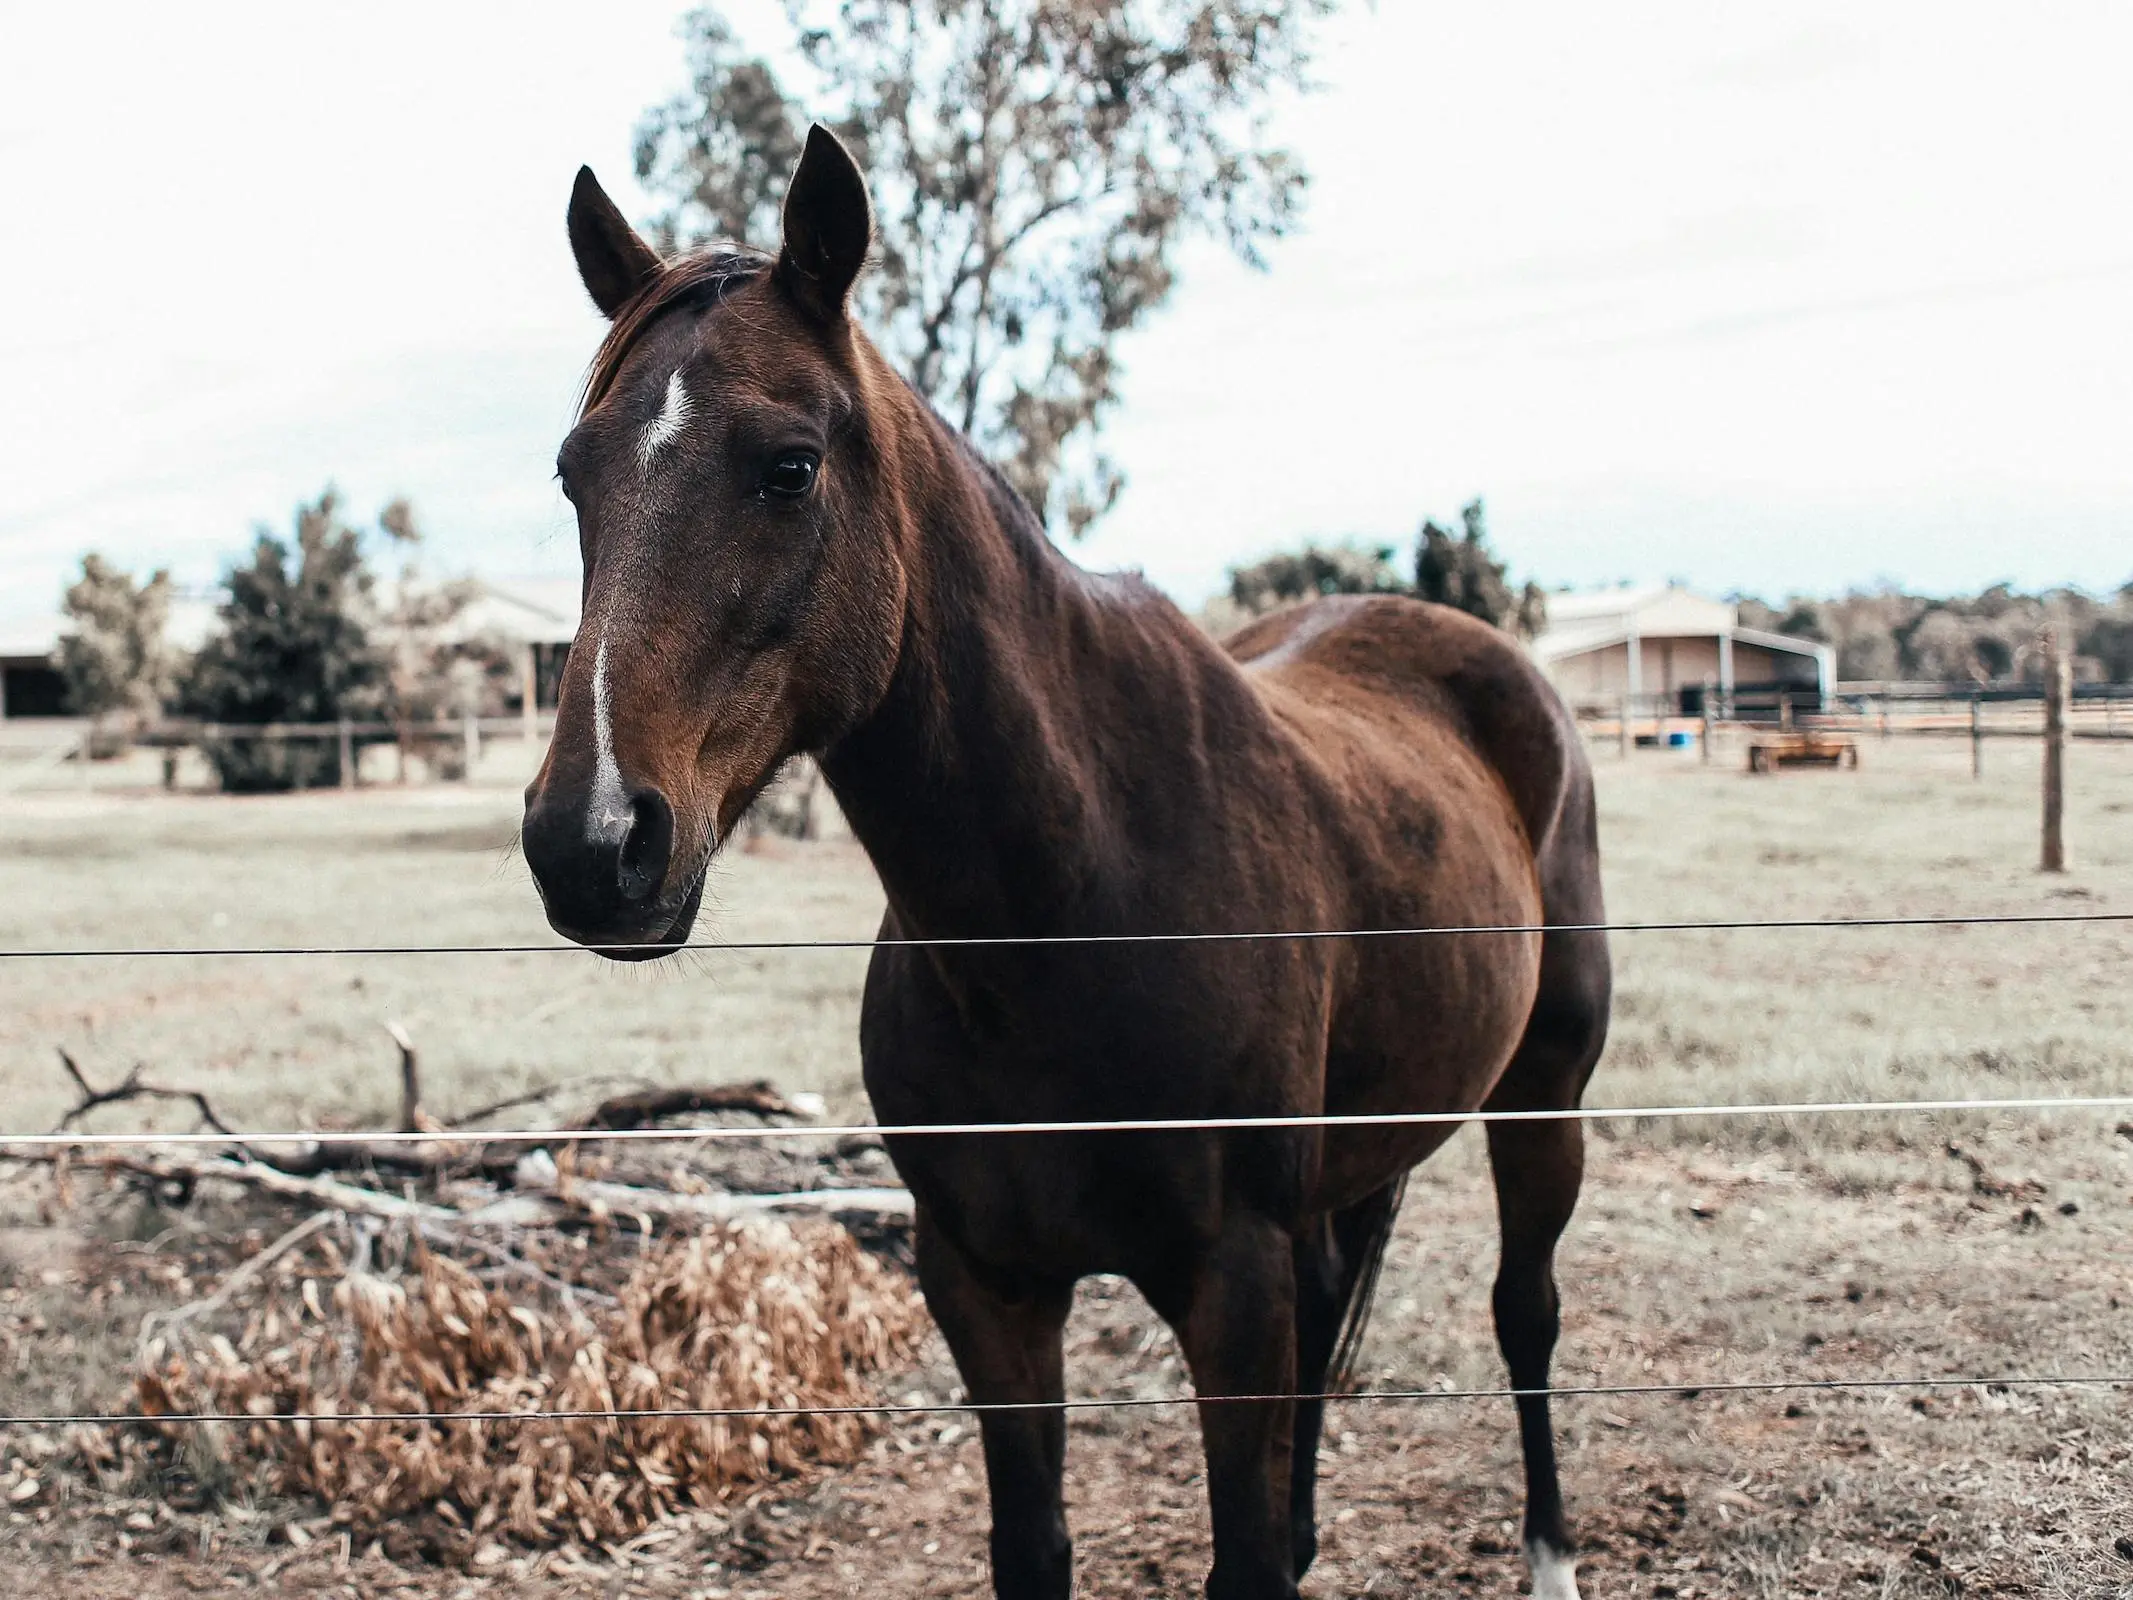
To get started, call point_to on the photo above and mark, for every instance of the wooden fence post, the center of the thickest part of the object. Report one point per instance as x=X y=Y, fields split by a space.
x=1627 y=738
x=347 y=754
x=1977 y=736
x=470 y=732
x=2058 y=680
x=1710 y=708
x=1884 y=719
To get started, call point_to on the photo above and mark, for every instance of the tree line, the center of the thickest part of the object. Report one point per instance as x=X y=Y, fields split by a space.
x=1456 y=569
x=305 y=633
x=1890 y=634
x=1879 y=635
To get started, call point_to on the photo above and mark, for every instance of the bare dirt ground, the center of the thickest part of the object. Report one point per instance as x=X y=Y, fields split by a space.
x=1750 y=1248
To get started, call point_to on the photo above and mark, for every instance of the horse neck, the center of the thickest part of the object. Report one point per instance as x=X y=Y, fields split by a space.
x=973 y=785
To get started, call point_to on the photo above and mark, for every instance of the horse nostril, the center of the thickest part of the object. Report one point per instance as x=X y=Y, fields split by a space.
x=648 y=846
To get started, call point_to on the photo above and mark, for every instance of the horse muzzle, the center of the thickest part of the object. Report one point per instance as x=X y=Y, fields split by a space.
x=606 y=872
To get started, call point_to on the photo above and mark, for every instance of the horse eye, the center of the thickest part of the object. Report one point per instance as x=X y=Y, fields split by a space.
x=791 y=475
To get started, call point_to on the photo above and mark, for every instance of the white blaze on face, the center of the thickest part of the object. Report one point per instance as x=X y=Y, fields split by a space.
x=1555 y=1575
x=663 y=429
x=610 y=809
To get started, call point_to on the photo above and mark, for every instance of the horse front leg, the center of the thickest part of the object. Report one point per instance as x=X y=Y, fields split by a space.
x=1009 y=1352
x=1336 y=1264
x=1239 y=1337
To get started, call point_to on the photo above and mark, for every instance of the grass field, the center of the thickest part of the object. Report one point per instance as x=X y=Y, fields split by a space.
x=1725 y=1249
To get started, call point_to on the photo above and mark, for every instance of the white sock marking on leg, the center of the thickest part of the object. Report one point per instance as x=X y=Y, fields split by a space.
x=1555 y=1575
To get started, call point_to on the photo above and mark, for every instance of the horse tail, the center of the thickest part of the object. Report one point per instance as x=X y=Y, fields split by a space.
x=1375 y=1225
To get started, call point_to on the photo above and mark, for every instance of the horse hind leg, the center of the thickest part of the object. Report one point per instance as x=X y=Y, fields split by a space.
x=1538 y=1167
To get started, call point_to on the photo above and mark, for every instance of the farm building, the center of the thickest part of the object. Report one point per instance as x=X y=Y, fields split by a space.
x=1660 y=646
x=540 y=614
x=29 y=687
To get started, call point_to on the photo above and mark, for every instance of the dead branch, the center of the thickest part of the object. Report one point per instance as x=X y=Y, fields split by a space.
x=473 y=1159
x=244 y=1273
x=544 y=1198
x=534 y=1097
x=410 y=1078
x=321 y=1191
x=539 y=1180
x=185 y=1173
x=434 y=1163
x=637 y=1109
x=653 y=1105
x=310 y=1160
x=130 y=1088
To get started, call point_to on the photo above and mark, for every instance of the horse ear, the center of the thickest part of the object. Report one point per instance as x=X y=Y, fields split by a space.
x=612 y=260
x=829 y=225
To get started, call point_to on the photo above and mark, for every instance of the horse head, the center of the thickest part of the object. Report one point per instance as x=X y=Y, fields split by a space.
x=733 y=472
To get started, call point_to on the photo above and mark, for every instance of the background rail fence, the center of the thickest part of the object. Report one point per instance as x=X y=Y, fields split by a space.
x=1877 y=711
x=38 y=749
x=12 y=1146
x=1872 y=710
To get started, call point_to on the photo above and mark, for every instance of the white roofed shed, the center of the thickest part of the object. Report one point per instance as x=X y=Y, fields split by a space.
x=1659 y=646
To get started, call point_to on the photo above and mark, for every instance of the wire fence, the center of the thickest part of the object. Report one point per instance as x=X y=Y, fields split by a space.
x=1690 y=1390
x=720 y=1133
x=1043 y=940
x=1982 y=1382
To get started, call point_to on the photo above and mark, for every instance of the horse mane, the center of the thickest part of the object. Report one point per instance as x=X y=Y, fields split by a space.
x=694 y=282
x=1017 y=518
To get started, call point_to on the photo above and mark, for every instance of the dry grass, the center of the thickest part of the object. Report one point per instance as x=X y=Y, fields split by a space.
x=1700 y=1016
x=301 y=1040
x=1743 y=1247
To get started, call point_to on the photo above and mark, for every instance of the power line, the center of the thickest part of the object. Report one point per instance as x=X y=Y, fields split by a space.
x=1384 y=1119
x=1040 y=940
x=931 y=1408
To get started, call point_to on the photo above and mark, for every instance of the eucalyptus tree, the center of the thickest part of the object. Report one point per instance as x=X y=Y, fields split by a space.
x=1036 y=166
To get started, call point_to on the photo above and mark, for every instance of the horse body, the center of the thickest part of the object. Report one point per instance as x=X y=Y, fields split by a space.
x=1027 y=751
x=1162 y=787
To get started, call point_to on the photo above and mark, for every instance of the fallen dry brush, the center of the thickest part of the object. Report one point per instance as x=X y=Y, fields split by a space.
x=748 y=1314
x=736 y=1299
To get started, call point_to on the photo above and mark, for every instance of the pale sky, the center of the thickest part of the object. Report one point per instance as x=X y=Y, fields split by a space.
x=1757 y=297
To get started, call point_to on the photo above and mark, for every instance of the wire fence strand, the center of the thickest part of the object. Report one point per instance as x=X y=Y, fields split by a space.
x=1688 y=1390
x=915 y=1130
x=1040 y=940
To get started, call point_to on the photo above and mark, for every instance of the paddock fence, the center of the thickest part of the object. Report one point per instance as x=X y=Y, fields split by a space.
x=40 y=751
x=1872 y=712
x=237 y=1142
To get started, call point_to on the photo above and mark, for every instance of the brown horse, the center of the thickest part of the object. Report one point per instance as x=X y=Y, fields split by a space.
x=786 y=550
